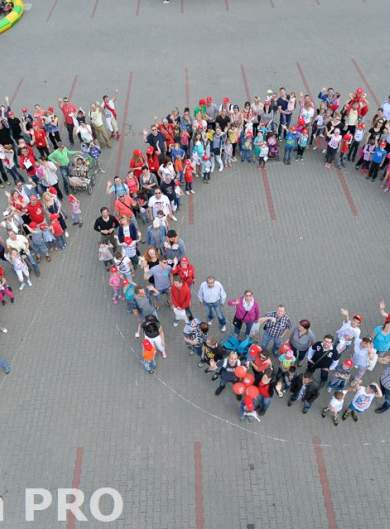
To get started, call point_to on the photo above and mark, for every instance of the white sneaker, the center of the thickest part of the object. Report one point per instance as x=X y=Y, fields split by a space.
x=102 y=171
x=187 y=192
x=29 y=283
x=66 y=233
x=175 y=323
x=253 y=414
x=192 y=191
x=4 y=330
x=223 y=329
x=22 y=285
x=136 y=334
x=174 y=218
x=220 y=169
x=209 y=323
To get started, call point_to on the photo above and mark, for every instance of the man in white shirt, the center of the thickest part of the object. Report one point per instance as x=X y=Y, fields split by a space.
x=213 y=296
x=160 y=202
x=110 y=115
x=349 y=330
x=96 y=118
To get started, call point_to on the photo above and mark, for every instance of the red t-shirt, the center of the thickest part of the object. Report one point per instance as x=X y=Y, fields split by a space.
x=261 y=364
x=35 y=212
x=153 y=163
x=345 y=142
x=264 y=389
x=57 y=228
x=181 y=297
x=139 y=163
x=188 y=172
x=68 y=108
x=40 y=138
x=186 y=274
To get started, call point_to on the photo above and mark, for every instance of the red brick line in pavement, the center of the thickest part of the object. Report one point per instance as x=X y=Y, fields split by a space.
x=365 y=81
x=245 y=81
x=340 y=175
x=199 y=507
x=123 y=128
x=182 y=7
x=227 y=6
x=268 y=193
x=53 y=6
x=138 y=8
x=272 y=3
x=323 y=475
x=71 y=521
x=16 y=91
x=73 y=86
x=95 y=6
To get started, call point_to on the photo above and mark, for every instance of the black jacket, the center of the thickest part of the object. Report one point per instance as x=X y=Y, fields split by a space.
x=311 y=392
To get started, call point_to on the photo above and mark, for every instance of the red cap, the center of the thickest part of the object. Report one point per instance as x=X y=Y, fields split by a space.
x=254 y=349
x=184 y=260
x=1 y=271
x=304 y=131
x=53 y=190
x=301 y=121
x=202 y=102
x=209 y=100
x=137 y=152
x=53 y=216
x=128 y=240
x=72 y=198
x=147 y=345
x=348 y=363
x=382 y=144
x=125 y=282
x=205 y=157
x=359 y=91
x=50 y=109
x=361 y=126
x=113 y=269
x=33 y=198
x=387 y=320
x=11 y=114
x=226 y=100
x=33 y=225
x=24 y=109
x=150 y=150
x=285 y=348
x=358 y=317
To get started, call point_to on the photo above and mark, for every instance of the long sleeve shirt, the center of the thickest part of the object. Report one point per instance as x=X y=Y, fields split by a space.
x=61 y=156
x=214 y=294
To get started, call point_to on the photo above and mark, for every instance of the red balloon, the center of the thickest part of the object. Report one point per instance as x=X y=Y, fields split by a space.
x=252 y=392
x=238 y=388
x=248 y=379
x=249 y=404
x=240 y=371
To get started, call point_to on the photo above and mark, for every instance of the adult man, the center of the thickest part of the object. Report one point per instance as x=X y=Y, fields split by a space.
x=181 y=300
x=276 y=329
x=173 y=248
x=162 y=274
x=21 y=245
x=213 y=296
x=211 y=111
x=160 y=202
x=96 y=117
x=61 y=157
x=384 y=383
x=153 y=331
x=143 y=306
x=156 y=139
x=324 y=356
x=68 y=109
x=106 y=225
x=284 y=113
x=110 y=115
x=305 y=389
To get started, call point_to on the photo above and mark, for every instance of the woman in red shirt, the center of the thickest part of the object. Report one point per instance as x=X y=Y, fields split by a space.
x=152 y=160
x=267 y=387
x=27 y=162
x=132 y=183
x=185 y=271
x=137 y=161
x=39 y=138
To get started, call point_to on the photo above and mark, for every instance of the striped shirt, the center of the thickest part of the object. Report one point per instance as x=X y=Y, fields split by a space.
x=277 y=328
x=385 y=378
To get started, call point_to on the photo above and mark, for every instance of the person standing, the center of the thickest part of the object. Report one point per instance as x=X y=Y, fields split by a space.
x=68 y=110
x=384 y=383
x=154 y=332
x=301 y=339
x=61 y=157
x=106 y=225
x=96 y=117
x=110 y=115
x=305 y=389
x=181 y=300
x=247 y=312
x=323 y=356
x=276 y=329
x=382 y=337
x=212 y=295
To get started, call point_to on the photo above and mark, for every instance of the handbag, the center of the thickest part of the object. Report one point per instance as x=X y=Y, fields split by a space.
x=237 y=322
x=180 y=314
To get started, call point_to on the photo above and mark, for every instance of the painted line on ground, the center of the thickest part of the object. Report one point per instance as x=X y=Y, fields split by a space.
x=268 y=193
x=227 y=6
x=272 y=3
x=53 y=6
x=73 y=87
x=199 y=507
x=245 y=82
x=78 y=464
x=138 y=8
x=16 y=91
x=123 y=127
x=347 y=192
x=304 y=80
x=323 y=475
x=182 y=7
x=365 y=81
x=95 y=6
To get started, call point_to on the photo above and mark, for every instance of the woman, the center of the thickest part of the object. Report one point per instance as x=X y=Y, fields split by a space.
x=247 y=311
x=151 y=258
x=377 y=130
x=137 y=162
x=237 y=119
x=334 y=141
x=152 y=160
x=247 y=114
x=127 y=228
x=148 y=182
x=132 y=183
x=47 y=173
x=382 y=337
x=267 y=387
x=301 y=339
x=52 y=205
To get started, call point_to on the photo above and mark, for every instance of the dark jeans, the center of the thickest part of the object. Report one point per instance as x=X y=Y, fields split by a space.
x=353 y=150
x=4 y=177
x=287 y=154
x=299 y=355
x=55 y=138
x=386 y=394
x=306 y=404
x=43 y=151
x=69 y=128
x=64 y=170
x=373 y=171
x=330 y=154
x=324 y=373
x=15 y=175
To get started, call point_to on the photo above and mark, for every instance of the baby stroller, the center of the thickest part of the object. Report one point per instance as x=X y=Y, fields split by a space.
x=241 y=347
x=273 y=146
x=80 y=179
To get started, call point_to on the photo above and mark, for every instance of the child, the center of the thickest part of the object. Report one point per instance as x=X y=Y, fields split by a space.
x=75 y=209
x=149 y=356
x=386 y=177
x=179 y=168
x=318 y=128
x=228 y=154
x=247 y=410
x=233 y=140
x=5 y=289
x=287 y=360
x=185 y=140
x=365 y=157
x=273 y=148
x=20 y=268
x=290 y=143
x=105 y=254
x=302 y=144
x=48 y=236
x=115 y=282
x=57 y=231
x=38 y=242
x=124 y=265
x=197 y=336
x=335 y=406
x=357 y=138
x=129 y=247
x=247 y=147
x=263 y=156
x=129 y=293
x=188 y=176
x=95 y=152
x=362 y=400
x=344 y=147
x=339 y=377
x=206 y=168
x=211 y=354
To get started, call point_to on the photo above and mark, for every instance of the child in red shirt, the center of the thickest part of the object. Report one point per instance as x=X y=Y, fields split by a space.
x=57 y=231
x=188 y=176
x=344 y=147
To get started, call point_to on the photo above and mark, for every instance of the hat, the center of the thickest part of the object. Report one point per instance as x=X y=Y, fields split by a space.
x=24 y=109
x=205 y=157
x=202 y=102
x=11 y=114
x=71 y=198
x=137 y=152
x=301 y=122
x=382 y=144
x=285 y=348
x=387 y=320
x=209 y=100
x=184 y=260
x=348 y=363
x=304 y=131
x=128 y=240
x=52 y=190
x=53 y=216
x=358 y=317
x=254 y=349
x=50 y=109
x=33 y=197
x=359 y=91
x=270 y=92
x=187 y=162
x=361 y=126
x=33 y=225
x=147 y=345
x=289 y=355
x=226 y=100
x=150 y=150
x=125 y=282
x=113 y=269
x=1 y=271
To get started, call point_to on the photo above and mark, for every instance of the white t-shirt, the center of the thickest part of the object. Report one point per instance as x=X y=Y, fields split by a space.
x=335 y=141
x=307 y=114
x=336 y=404
x=159 y=203
x=362 y=400
x=346 y=331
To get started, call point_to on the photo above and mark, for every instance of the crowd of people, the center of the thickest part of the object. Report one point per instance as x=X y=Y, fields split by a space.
x=184 y=148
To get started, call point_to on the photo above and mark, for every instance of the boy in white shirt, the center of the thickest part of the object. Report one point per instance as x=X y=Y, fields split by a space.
x=349 y=330
x=357 y=138
x=335 y=405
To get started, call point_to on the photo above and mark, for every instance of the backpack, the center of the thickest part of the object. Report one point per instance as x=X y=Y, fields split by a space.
x=129 y=294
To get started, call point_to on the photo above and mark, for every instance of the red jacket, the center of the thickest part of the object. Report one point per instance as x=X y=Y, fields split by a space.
x=186 y=274
x=181 y=297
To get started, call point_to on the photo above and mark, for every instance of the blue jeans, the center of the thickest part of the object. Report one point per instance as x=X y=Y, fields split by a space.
x=32 y=262
x=246 y=155
x=266 y=339
x=60 y=242
x=5 y=365
x=263 y=403
x=15 y=175
x=149 y=366
x=306 y=405
x=386 y=394
x=287 y=154
x=64 y=170
x=40 y=248
x=217 y=308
